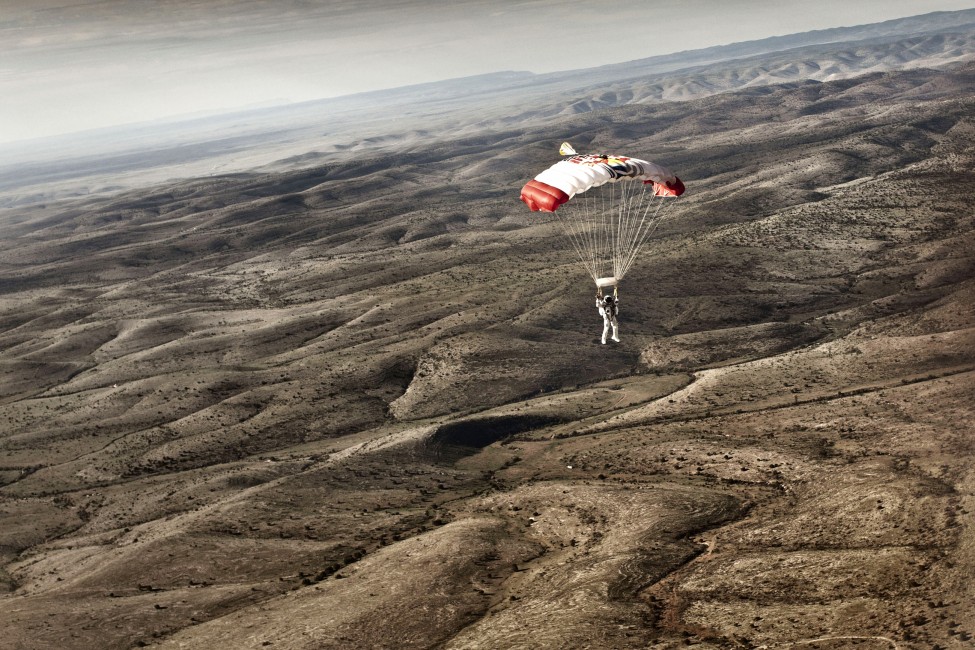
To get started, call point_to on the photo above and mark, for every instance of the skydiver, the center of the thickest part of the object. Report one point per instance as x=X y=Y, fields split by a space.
x=608 y=307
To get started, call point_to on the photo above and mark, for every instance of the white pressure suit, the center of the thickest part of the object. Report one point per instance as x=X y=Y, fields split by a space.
x=608 y=308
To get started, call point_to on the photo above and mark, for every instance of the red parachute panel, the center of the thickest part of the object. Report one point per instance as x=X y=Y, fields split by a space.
x=673 y=188
x=543 y=197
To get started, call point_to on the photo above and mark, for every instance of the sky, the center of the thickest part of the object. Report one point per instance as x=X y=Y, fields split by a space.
x=72 y=65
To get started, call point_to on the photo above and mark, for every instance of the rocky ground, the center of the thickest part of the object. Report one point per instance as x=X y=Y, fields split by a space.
x=364 y=404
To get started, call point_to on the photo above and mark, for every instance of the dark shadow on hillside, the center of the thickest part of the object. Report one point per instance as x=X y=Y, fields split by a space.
x=455 y=440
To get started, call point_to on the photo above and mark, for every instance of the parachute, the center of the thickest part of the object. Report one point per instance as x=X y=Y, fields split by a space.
x=608 y=206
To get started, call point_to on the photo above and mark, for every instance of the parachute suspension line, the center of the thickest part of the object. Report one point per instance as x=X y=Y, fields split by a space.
x=576 y=237
x=618 y=220
x=606 y=233
x=594 y=210
x=633 y=225
x=588 y=221
x=592 y=231
x=607 y=229
x=598 y=228
x=629 y=205
x=621 y=220
x=622 y=211
x=661 y=210
x=594 y=204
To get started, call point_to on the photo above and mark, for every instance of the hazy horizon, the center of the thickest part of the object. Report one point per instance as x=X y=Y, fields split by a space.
x=69 y=68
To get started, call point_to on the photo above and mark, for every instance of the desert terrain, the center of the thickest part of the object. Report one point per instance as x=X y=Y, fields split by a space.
x=357 y=399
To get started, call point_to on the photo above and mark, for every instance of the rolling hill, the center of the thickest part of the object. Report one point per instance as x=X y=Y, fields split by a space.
x=353 y=395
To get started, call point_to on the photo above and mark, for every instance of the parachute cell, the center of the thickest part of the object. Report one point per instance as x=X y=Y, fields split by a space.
x=542 y=197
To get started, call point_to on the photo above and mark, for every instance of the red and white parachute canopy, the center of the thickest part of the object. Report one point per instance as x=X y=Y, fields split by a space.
x=612 y=204
x=575 y=175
